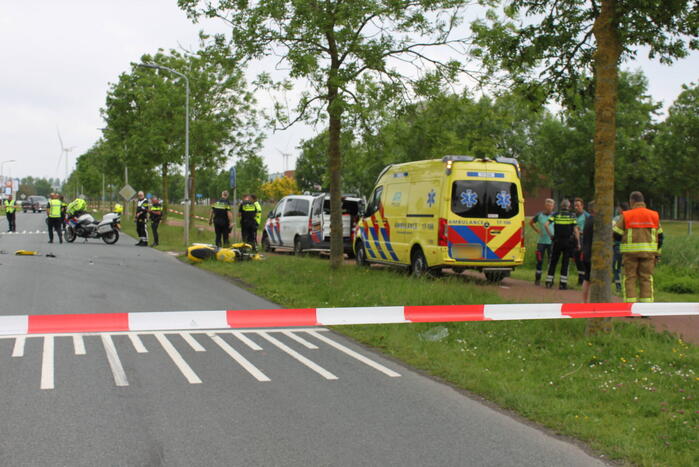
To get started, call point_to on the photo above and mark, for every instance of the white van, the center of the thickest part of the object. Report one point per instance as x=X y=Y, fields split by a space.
x=302 y=222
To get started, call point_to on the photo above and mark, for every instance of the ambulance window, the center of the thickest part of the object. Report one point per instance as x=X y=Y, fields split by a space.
x=373 y=203
x=468 y=198
x=503 y=202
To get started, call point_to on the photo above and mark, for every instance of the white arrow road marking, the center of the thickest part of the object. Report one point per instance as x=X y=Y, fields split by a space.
x=244 y=362
x=114 y=362
x=47 y=364
x=313 y=366
x=354 y=354
x=177 y=359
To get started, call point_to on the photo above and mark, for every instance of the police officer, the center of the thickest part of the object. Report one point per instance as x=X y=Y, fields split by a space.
x=222 y=218
x=10 y=213
x=141 y=218
x=543 y=244
x=258 y=214
x=77 y=207
x=248 y=221
x=54 y=214
x=566 y=239
x=641 y=238
x=156 y=215
x=64 y=208
x=581 y=217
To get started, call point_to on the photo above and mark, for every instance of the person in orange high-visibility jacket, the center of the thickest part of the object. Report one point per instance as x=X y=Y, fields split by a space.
x=641 y=237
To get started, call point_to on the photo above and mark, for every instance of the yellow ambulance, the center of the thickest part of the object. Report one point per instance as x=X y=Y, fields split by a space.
x=459 y=212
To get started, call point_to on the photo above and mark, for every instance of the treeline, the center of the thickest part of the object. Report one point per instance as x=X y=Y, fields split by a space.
x=555 y=148
x=29 y=186
x=143 y=139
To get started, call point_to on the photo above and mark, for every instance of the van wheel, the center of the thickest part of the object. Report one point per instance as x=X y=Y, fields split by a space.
x=495 y=276
x=360 y=257
x=266 y=246
x=418 y=263
x=298 y=248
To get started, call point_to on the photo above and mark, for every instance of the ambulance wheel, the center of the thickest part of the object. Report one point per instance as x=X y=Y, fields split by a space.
x=70 y=235
x=495 y=276
x=360 y=256
x=266 y=246
x=418 y=263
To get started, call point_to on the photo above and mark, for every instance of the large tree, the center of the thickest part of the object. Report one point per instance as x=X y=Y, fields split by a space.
x=555 y=43
x=344 y=50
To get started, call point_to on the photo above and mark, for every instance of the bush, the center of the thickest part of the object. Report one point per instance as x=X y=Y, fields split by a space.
x=681 y=285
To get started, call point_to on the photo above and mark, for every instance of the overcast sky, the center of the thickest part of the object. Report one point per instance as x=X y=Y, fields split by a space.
x=57 y=58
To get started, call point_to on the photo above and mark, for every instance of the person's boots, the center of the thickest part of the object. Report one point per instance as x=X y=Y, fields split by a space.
x=549 y=284
x=537 y=278
x=563 y=286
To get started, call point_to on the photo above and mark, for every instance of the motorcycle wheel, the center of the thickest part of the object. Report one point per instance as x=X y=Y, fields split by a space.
x=70 y=234
x=111 y=237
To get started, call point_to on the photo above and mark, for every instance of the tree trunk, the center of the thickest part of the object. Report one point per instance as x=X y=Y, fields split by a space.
x=164 y=198
x=606 y=62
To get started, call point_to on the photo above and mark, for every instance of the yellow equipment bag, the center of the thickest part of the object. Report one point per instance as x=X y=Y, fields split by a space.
x=226 y=255
x=199 y=252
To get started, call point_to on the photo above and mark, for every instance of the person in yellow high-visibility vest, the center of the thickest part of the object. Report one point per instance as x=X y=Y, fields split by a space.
x=54 y=212
x=10 y=208
x=258 y=215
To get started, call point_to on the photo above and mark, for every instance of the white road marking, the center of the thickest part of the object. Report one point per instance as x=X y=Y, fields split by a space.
x=353 y=354
x=79 y=344
x=137 y=343
x=243 y=338
x=18 y=350
x=114 y=362
x=244 y=362
x=313 y=366
x=184 y=367
x=299 y=339
x=192 y=342
x=47 y=364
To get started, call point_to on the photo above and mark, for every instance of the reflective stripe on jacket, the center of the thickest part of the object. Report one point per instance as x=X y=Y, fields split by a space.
x=640 y=230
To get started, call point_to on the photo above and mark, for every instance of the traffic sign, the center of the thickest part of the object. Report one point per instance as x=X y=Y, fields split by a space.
x=232 y=177
x=127 y=192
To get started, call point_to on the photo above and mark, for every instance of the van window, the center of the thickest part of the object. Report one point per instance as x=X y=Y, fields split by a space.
x=484 y=199
x=277 y=212
x=374 y=201
x=348 y=207
x=317 y=206
x=296 y=207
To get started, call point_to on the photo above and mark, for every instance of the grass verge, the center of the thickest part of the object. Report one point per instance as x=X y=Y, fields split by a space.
x=631 y=395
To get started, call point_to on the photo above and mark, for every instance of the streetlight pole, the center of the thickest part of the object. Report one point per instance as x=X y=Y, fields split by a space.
x=186 y=143
x=2 y=164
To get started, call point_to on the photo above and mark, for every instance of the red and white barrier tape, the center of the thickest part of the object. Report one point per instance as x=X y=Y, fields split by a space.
x=237 y=319
x=182 y=214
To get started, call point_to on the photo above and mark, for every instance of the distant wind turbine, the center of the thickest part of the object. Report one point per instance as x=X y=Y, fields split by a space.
x=64 y=153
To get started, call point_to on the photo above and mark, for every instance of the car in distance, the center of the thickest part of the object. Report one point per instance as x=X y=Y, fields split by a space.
x=35 y=203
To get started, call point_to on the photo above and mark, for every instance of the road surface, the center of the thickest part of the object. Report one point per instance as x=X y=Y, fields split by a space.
x=260 y=397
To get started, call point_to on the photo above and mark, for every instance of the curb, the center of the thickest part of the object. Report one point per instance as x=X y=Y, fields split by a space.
x=273 y=318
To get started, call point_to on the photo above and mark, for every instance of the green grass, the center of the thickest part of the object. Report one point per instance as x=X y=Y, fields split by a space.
x=630 y=395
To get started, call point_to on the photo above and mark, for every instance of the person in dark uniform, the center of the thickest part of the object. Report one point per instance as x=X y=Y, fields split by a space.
x=566 y=238
x=248 y=221
x=54 y=214
x=64 y=208
x=141 y=218
x=156 y=215
x=222 y=218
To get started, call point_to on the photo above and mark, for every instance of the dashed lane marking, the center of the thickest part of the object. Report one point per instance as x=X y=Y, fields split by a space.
x=194 y=340
x=24 y=232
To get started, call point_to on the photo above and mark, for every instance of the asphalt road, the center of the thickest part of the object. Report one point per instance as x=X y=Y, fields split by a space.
x=282 y=397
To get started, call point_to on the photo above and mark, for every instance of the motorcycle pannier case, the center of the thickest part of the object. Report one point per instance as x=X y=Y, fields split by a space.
x=201 y=252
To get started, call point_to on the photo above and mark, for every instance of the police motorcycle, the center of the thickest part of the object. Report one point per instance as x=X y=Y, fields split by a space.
x=84 y=226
